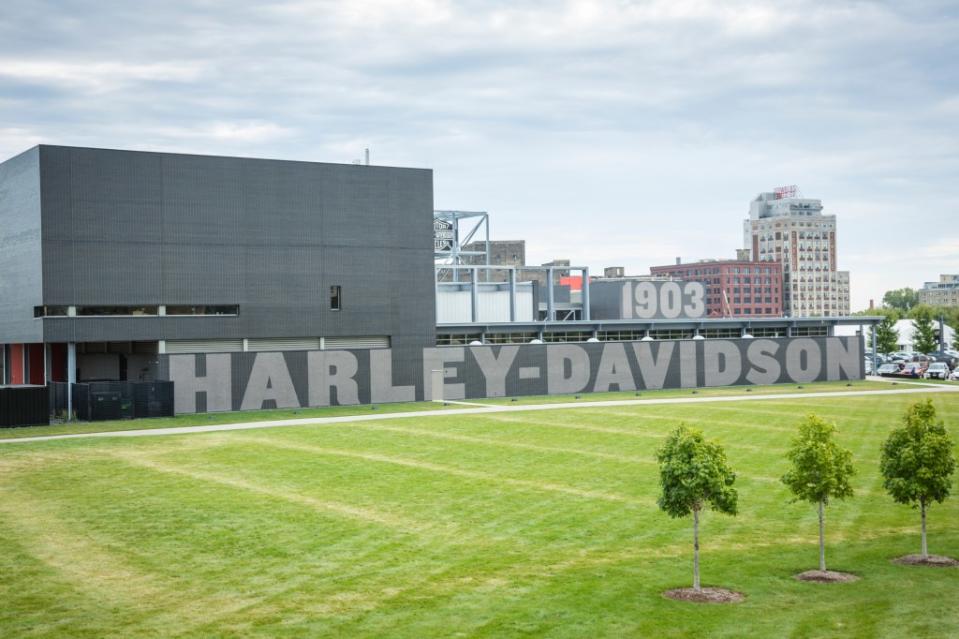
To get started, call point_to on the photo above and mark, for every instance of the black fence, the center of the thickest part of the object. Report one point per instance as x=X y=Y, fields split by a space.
x=24 y=406
x=99 y=401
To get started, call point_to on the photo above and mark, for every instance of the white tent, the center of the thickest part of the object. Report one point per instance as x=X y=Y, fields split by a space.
x=905 y=328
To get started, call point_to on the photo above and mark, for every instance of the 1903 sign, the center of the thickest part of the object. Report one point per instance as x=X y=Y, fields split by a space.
x=640 y=299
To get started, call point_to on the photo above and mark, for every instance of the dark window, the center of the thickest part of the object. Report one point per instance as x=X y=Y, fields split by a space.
x=336 y=298
x=49 y=311
x=203 y=309
x=116 y=310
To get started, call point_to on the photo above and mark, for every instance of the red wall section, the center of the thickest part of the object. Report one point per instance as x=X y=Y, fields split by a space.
x=58 y=362
x=16 y=363
x=35 y=357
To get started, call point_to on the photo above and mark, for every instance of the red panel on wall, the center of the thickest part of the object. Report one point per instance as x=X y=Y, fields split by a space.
x=58 y=362
x=16 y=363
x=35 y=358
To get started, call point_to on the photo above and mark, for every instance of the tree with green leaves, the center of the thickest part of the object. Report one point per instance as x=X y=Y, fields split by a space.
x=917 y=462
x=901 y=298
x=694 y=474
x=887 y=337
x=821 y=470
x=924 y=331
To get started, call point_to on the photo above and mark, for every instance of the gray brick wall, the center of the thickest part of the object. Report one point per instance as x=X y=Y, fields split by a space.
x=126 y=228
x=20 y=258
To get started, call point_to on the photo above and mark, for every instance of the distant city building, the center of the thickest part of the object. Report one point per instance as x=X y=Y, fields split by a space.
x=793 y=231
x=614 y=271
x=501 y=253
x=734 y=288
x=945 y=292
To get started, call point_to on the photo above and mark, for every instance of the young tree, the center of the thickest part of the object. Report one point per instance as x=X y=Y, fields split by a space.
x=924 y=334
x=887 y=337
x=917 y=462
x=820 y=471
x=694 y=473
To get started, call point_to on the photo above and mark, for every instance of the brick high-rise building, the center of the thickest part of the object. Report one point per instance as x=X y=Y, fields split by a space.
x=734 y=288
x=793 y=231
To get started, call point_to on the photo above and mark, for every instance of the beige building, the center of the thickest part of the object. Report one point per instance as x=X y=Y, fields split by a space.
x=793 y=231
x=945 y=292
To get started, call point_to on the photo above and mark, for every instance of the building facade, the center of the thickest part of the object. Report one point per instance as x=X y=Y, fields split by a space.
x=793 y=231
x=945 y=292
x=734 y=288
x=112 y=258
x=256 y=284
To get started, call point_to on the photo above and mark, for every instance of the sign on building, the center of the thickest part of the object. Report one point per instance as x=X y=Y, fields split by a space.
x=639 y=299
x=444 y=235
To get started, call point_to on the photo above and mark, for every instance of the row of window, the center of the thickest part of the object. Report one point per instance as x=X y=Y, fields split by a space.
x=336 y=304
x=465 y=339
x=135 y=311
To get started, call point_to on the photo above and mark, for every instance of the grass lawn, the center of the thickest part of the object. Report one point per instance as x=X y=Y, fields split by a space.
x=510 y=524
x=209 y=419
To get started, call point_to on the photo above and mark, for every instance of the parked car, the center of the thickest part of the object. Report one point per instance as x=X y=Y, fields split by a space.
x=890 y=368
x=937 y=370
x=913 y=369
x=944 y=356
x=954 y=375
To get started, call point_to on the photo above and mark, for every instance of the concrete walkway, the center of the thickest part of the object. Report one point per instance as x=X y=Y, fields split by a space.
x=919 y=388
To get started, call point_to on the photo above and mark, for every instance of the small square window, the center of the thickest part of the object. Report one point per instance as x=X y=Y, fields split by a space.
x=336 y=298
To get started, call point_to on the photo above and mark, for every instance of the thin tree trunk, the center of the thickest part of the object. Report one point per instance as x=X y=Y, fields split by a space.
x=925 y=549
x=822 y=538
x=696 y=585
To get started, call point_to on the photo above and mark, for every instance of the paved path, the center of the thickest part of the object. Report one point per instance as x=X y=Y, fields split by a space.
x=311 y=421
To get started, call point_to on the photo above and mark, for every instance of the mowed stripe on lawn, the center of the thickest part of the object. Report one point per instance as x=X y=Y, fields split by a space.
x=476 y=519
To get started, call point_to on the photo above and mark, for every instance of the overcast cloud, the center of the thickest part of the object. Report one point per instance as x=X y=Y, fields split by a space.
x=608 y=132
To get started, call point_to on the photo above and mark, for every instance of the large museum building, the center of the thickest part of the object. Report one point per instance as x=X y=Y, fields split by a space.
x=255 y=283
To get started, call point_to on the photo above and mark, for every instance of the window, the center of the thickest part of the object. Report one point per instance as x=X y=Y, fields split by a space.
x=49 y=311
x=220 y=309
x=116 y=310
x=336 y=298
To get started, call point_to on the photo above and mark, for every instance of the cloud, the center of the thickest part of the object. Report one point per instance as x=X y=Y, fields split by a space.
x=600 y=130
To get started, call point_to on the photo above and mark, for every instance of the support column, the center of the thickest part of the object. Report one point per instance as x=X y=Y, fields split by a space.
x=474 y=294
x=585 y=294
x=549 y=294
x=71 y=377
x=512 y=294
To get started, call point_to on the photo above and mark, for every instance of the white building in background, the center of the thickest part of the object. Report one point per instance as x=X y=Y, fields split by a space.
x=945 y=292
x=906 y=329
x=794 y=231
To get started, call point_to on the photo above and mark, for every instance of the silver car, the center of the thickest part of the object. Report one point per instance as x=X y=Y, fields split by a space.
x=937 y=370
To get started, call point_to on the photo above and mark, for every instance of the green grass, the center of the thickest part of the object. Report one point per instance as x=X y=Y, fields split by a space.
x=512 y=524
x=208 y=419
x=720 y=391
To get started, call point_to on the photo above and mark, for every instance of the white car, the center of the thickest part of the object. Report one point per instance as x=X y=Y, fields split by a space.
x=937 y=370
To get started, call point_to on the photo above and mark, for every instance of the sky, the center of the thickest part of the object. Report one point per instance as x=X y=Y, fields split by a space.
x=607 y=132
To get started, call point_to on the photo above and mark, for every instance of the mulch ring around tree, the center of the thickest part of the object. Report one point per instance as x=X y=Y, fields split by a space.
x=936 y=561
x=705 y=595
x=827 y=576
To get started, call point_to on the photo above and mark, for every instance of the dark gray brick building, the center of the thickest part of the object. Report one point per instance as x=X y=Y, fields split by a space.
x=129 y=254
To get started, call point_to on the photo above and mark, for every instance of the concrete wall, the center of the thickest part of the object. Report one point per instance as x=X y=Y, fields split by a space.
x=242 y=381
x=20 y=249
x=127 y=228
